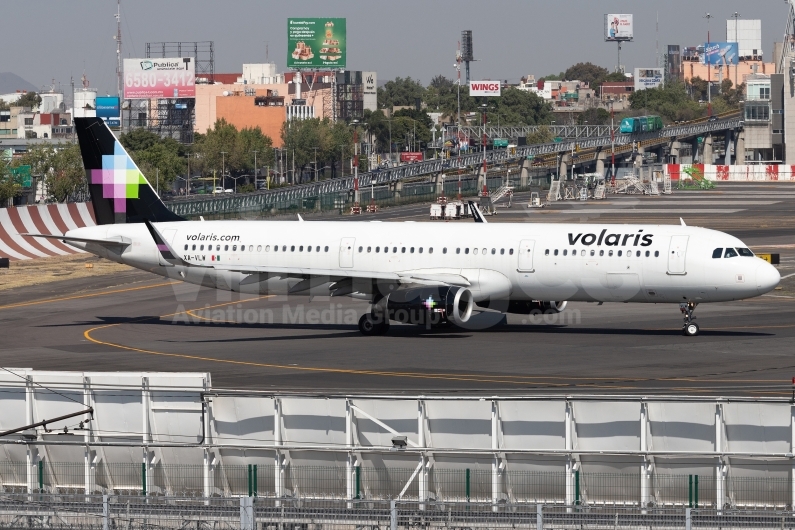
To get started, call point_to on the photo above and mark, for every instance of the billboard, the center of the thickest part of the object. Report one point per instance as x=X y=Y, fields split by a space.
x=316 y=43
x=107 y=107
x=484 y=88
x=648 y=78
x=410 y=156
x=618 y=27
x=160 y=78
x=721 y=53
x=370 y=97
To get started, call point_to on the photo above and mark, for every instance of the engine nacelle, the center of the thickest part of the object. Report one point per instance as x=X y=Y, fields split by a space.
x=430 y=305
x=526 y=307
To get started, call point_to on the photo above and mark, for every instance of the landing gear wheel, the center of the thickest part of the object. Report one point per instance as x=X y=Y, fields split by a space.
x=369 y=326
x=690 y=330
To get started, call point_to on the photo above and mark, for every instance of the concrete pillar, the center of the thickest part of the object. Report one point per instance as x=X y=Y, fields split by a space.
x=524 y=173
x=481 y=178
x=600 y=162
x=397 y=189
x=708 y=159
x=439 y=180
x=727 y=146
x=739 y=148
x=563 y=171
x=675 y=146
x=695 y=151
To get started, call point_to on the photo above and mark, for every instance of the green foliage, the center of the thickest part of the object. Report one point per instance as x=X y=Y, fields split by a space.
x=400 y=92
x=614 y=77
x=518 y=107
x=28 y=99
x=671 y=101
x=542 y=136
x=10 y=186
x=61 y=167
x=4 y=105
x=587 y=73
x=316 y=139
x=554 y=77
x=594 y=116
x=225 y=148
x=246 y=188
x=161 y=160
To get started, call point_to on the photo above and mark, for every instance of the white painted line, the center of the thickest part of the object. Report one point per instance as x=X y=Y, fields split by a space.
x=788 y=276
x=629 y=211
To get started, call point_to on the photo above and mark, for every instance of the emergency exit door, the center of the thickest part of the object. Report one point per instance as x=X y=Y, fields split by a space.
x=676 y=255
x=526 y=255
x=346 y=252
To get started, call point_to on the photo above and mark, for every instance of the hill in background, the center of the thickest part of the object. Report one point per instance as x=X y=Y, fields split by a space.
x=11 y=82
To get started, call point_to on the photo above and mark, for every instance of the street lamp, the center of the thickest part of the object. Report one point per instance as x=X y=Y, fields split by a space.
x=735 y=16
x=709 y=69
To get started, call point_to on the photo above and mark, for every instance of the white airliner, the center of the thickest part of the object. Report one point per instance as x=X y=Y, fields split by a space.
x=420 y=273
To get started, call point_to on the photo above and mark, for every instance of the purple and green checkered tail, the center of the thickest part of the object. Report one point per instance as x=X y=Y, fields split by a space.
x=119 y=191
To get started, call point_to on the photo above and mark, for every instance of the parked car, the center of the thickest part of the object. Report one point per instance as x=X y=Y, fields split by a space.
x=220 y=189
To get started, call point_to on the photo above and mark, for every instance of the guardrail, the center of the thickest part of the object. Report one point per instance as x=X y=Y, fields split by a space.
x=262 y=199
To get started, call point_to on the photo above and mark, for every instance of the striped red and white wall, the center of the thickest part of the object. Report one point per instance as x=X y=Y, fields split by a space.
x=748 y=173
x=41 y=219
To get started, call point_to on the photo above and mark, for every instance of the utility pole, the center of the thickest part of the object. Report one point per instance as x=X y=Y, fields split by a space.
x=223 y=168
x=709 y=70
x=735 y=16
x=255 y=169
x=315 y=149
x=612 y=146
x=117 y=38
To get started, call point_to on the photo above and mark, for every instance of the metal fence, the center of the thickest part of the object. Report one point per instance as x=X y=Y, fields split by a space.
x=248 y=513
x=382 y=483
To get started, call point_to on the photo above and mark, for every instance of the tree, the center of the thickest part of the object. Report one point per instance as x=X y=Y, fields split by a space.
x=401 y=92
x=541 y=136
x=161 y=160
x=594 y=116
x=250 y=140
x=4 y=105
x=28 y=99
x=671 y=101
x=587 y=73
x=217 y=149
x=10 y=185
x=67 y=176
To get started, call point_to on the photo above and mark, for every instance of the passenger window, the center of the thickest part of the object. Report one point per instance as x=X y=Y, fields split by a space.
x=201 y=247
x=301 y=248
x=226 y=247
x=656 y=253
x=637 y=254
x=730 y=253
x=493 y=251
x=394 y=250
x=717 y=253
x=475 y=251
x=556 y=252
x=412 y=250
x=259 y=248
x=745 y=252
x=292 y=248
x=267 y=248
x=309 y=248
x=242 y=248
x=619 y=254
x=284 y=248
x=610 y=253
x=593 y=253
x=648 y=253
x=546 y=252
x=276 y=248
x=369 y=249
x=194 y=247
x=326 y=249
x=377 y=250
x=444 y=250
x=502 y=251
x=186 y=247
x=458 y=251
x=317 y=248
x=403 y=250
x=234 y=248
x=565 y=252
x=582 y=252
x=360 y=249
x=430 y=250
x=484 y=251
x=420 y=250
x=601 y=252
x=466 y=251
x=511 y=252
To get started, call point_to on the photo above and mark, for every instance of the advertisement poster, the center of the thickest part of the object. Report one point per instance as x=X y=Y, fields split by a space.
x=410 y=156
x=159 y=78
x=484 y=88
x=618 y=27
x=108 y=107
x=648 y=78
x=316 y=43
x=721 y=53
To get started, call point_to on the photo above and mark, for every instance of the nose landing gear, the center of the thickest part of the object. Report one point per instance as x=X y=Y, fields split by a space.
x=689 y=328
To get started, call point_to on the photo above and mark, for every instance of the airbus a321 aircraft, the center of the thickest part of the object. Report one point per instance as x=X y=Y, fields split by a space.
x=412 y=272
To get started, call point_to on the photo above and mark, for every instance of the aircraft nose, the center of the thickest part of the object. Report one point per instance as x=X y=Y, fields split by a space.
x=767 y=278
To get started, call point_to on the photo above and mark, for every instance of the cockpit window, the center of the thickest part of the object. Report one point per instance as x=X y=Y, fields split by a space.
x=745 y=252
x=730 y=253
x=717 y=253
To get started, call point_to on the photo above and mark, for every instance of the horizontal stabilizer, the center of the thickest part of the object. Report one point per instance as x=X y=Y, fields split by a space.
x=113 y=241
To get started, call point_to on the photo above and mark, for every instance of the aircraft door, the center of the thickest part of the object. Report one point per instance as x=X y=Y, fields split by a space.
x=676 y=255
x=526 y=255
x=346 y=252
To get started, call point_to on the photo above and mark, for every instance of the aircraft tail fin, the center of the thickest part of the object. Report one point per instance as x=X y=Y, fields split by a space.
x=119 y=191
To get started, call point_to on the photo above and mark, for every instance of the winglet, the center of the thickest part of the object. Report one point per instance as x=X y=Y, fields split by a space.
x=476 y=213
x=682 y=221
x=168 y=255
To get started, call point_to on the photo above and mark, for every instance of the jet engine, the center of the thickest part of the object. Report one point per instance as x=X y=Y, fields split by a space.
x=430 y=305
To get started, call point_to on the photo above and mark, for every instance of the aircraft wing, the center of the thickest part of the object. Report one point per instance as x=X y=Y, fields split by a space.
x=113 y=241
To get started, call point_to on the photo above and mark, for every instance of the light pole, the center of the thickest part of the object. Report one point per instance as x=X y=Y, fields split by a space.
x=612 y=146
x=223 y=168
x=709 y=69
x=735 y=16
x=315 y=149
x=255 y=169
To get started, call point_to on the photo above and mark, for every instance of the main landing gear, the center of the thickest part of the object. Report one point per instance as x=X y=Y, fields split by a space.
x=689 y=328
x=371 y=324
